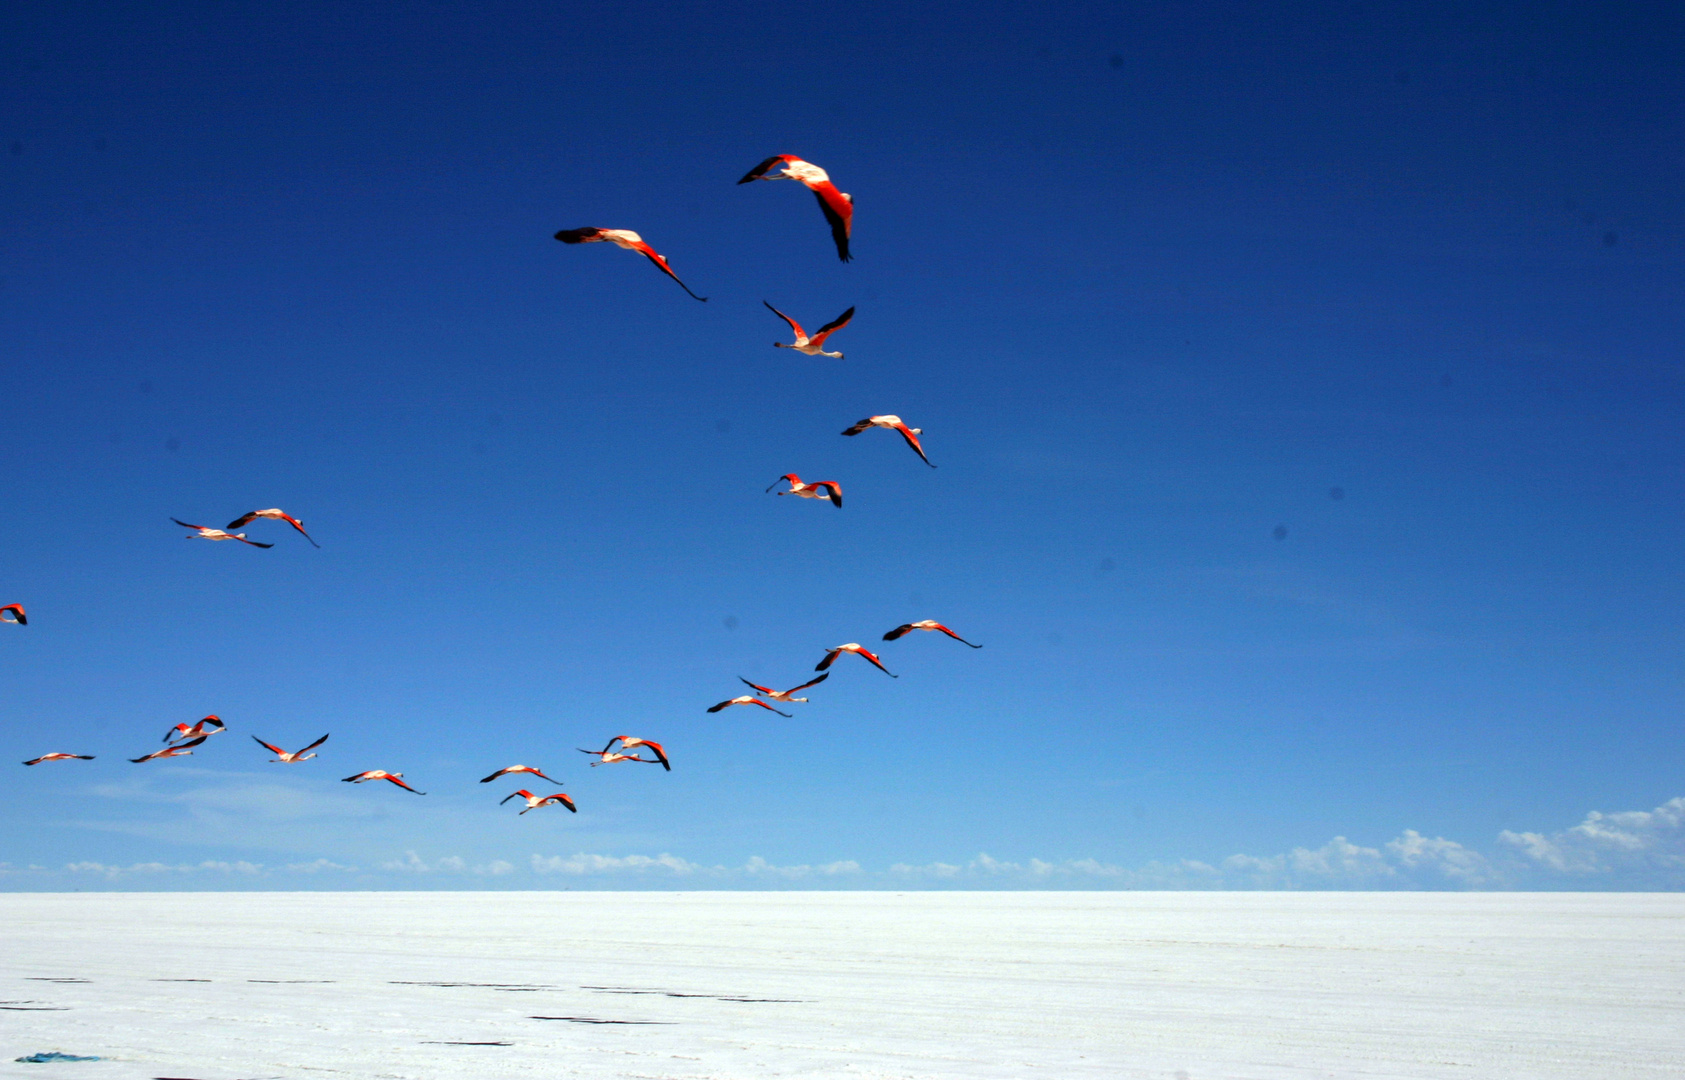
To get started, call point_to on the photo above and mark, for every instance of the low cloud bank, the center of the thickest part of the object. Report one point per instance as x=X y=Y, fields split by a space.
x=1628 y=850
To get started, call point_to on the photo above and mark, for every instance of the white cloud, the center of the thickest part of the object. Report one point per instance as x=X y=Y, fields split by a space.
x=1628 y=849
x=151 y=868
x=412 y=863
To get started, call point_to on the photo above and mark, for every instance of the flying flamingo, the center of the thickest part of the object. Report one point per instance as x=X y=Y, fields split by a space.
x=178 y=750
x=60 y=757
x=381 y=774
x=210 y=725
x=288 y=757
x=17 y=615
x=627 y=742
x=784 y=695
x=926 y=624
x=536 y=801
x=837 y=205
x=517 y=769
x=857 y=649
x=627 y=239
x=273 y=515
x=815 y=345
x=746 y=699
x=888 y=421
x=207 y=533
x=819 y=489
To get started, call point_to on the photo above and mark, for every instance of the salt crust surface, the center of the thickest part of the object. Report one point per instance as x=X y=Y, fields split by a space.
x=1179 y=986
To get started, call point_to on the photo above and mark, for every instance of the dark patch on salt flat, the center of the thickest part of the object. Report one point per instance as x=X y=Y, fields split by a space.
x=178 y=980
x=49 y=978
x=595 y=1020
x=453 y=1042
x=290 y=982
x=677 y=994
x=36 y=1008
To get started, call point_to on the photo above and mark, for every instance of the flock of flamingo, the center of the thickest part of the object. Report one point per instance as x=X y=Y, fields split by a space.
x=838 y=207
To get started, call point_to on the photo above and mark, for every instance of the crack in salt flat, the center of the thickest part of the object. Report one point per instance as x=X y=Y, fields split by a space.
x=595 y=1020
x=711 y=997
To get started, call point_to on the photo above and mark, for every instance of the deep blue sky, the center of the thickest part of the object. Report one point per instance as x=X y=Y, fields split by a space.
x=1154 y=279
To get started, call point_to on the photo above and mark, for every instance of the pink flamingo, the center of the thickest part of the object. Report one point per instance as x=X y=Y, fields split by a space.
x=819 y=489
x=837 y=205
x=815 y=345
x=381 y=774
x=894 y=423
x=858 y=650
x=925 y=624
x=273 y=515
x=536 y=801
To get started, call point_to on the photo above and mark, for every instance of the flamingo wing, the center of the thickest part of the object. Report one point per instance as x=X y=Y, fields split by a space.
x=315 y=744
x=562 y=798
x=655 y=257
x=830 y=658
x=766 y=166
x=660 y=753
x=832 y=327
x=295 y=523
x=757 y=687
x=272 y=748
x=835 y=489
x=810 y=682
x=721 y=705
x=877 y=663
x=521 y=794
x=839 y=212
x=253 y=543
x=494 y=776
x=796 y=327
x=913 y=441
x=17 y=613
x=239 y=521
x=399 y=781
x=764 y=705
x=899 y=631
x=579 y=236
x=185 y=525
x=858 y=428
x=955 y=636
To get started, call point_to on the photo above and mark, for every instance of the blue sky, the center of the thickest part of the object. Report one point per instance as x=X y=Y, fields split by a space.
x=1155 y=281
